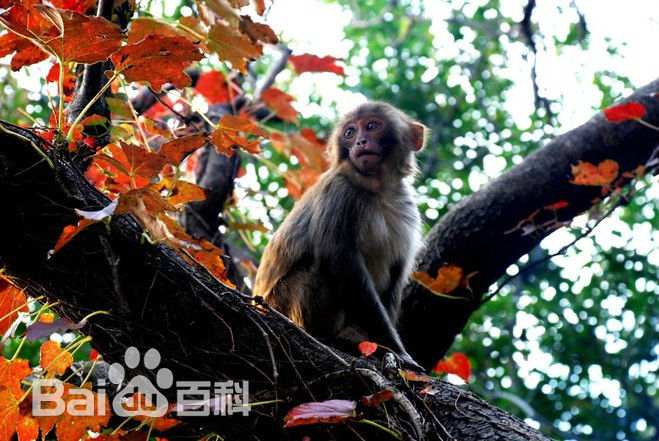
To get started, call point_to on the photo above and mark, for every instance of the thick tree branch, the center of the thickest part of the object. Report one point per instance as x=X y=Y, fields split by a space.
x=479 y=234
x=203 y=330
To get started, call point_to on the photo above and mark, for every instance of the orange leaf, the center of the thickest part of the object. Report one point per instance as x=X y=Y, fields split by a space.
x=70 y=231
x=331 y=411
x=47 y=317
x=214 y=87
x=624 y=112
x=231 y=46
x=257 y=31
x=448 y=278
x=158 y=60
x=25 y=53
x=11 y=374
x=210 y=256
x=27 y=429
x=225 y=137
x=259 y=5
x=140 y=27
x=602 y=174
x=181 y=192
x=312 y=63
x=367 y=348
x=177 y=149
x=75 y=427
x=141 y=161
x=412 y=376
x=12 y=301
x=68 y=35
x=457 y=364
x=54 y=359
x=556 y=206
x=280 y=103
x=377 y=398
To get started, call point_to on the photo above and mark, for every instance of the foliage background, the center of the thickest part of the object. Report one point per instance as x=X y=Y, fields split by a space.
x=570 y=346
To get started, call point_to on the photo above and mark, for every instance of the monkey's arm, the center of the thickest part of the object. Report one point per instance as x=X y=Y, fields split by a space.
x=349 y=278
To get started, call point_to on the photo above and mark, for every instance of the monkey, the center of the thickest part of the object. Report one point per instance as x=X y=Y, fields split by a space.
x=343 y=254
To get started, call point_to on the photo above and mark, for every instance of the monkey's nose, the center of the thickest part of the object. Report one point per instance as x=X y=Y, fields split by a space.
x=362 y=141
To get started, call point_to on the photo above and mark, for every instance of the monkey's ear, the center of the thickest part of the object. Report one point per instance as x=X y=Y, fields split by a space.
x=418 y=136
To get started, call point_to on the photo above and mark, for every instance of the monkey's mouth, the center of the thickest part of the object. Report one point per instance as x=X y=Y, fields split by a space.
x=367 y=154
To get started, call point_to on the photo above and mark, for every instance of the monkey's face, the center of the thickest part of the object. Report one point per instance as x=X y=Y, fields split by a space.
x=367 y=140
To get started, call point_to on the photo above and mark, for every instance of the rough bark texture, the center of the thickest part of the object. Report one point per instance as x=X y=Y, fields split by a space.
x=203 y=330
x=476 y=234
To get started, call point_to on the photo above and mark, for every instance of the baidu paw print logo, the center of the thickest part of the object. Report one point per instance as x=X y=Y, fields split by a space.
x=140 y=396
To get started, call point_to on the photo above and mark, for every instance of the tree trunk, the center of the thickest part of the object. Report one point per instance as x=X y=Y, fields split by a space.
x=203 y=330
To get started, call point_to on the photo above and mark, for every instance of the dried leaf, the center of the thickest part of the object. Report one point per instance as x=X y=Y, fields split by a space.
x=412 y=376
x=377 y=398
x=257 y=31
x=331 y=411
x=176 y=150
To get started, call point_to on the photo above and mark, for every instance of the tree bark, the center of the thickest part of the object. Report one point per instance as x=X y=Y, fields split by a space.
x=203 y=330
x=479 y=233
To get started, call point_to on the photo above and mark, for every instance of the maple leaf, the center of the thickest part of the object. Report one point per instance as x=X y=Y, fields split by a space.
x=312 y=63
x=70 y=231
x=232 y=46
x=215 y=88
x=27 y=428
x=74 y=427
x=176 y=150
x=142 y=162
x=624 y=112
x=367 y=348
x=140 y=27
x=377 y=398
x=602 y=174
x=158 y=60
x=181 y=192
x=331 y=411
x=12 y=301
x=69 y=80
x=448 y=278
x=11 y=375
x=210 y=256
x=68 y=35
x=257 y=31
x=280 y=103
x=457 y=364
x=54 y=359
x=75 y=5
x=25 y=52
x=225 y=137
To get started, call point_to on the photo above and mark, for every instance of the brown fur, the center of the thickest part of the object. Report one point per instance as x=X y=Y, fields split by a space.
x=385 y=225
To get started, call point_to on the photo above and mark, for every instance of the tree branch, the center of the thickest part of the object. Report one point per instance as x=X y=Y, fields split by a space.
x=479 y=233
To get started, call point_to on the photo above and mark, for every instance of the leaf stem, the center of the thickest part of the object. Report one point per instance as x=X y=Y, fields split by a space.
x=81 y=115
x=60 y=91
x=381 y=427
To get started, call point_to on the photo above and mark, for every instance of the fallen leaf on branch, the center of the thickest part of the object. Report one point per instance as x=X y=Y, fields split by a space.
x=331 y=411
x=602 y=174
x=412 y=376
x=448 y=278
x=624 y=112
x=377 y=398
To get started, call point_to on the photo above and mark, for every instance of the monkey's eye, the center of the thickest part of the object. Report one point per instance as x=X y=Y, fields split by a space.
x=372 y=125
x=349 y=132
